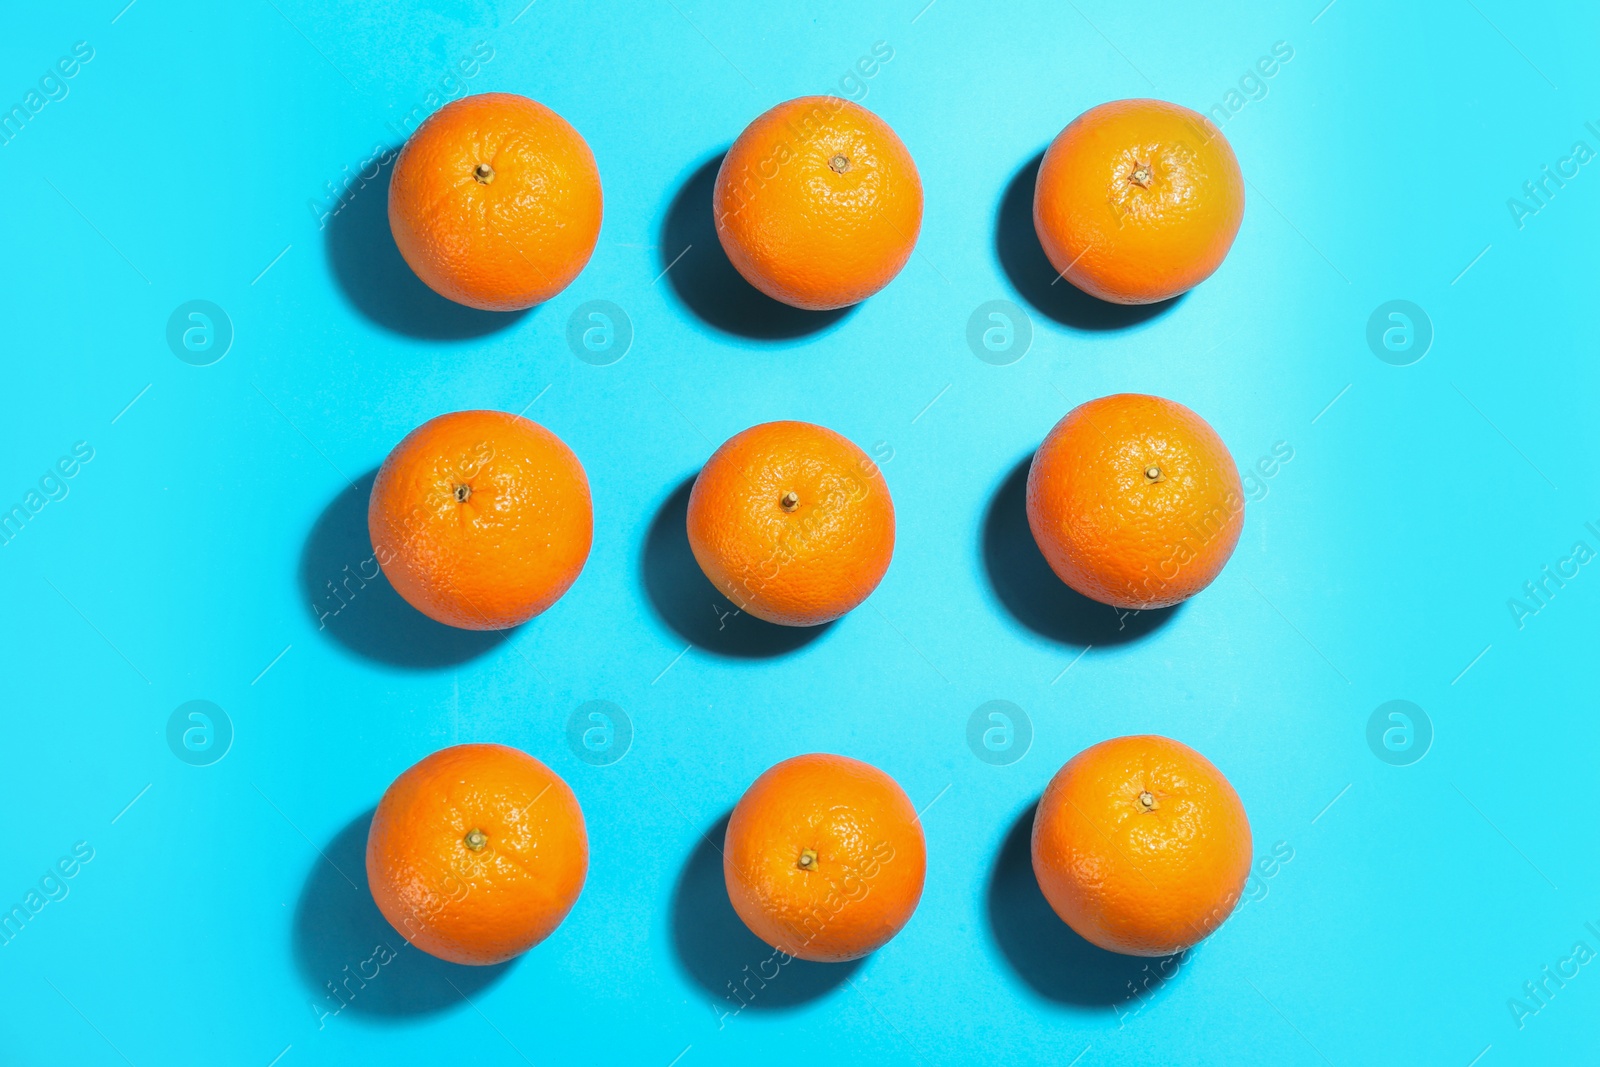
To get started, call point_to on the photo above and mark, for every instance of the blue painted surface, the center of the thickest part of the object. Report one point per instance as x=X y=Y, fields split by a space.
x=194 y=156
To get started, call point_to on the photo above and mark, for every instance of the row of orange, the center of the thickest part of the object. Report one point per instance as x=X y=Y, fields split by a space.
x=495 y=202
x=478 y=852
x=483 y=519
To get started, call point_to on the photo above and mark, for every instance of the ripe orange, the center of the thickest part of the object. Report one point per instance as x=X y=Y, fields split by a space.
x=477 y=853
x=818 y=203
x=495 y=202
x=792 y=522
x=1138 y=201
x=481 y=519
x=1135 y=501
x=824 y=858
x=1141 y=845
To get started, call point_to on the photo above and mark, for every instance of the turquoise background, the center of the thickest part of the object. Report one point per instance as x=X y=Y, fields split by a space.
x=200 y=154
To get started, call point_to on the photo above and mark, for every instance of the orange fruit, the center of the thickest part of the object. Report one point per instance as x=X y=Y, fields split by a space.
x=818 y=203
x=1138 y=201
x=1141 y=845
x=481 y=519
x=1135 y=501
x=477 y=853
x=791 y=522
x=495 y=202
x=824 y=858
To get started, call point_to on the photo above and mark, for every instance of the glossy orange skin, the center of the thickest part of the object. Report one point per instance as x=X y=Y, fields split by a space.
x=1136 y=881
x=509 y=550
x=803 y=232
x=801 y=567
x=870 y=858
x=516 y=241
x=486 y=905
x=1133 y=243
x=1111 y=533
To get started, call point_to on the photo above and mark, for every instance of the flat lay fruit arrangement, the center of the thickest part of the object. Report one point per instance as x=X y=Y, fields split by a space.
x=482 y=520
x=710 y=532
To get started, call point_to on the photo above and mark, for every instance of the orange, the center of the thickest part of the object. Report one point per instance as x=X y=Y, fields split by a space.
x=1135 y=501
x=477 y=853
x=824 y=858
x=1138 y=201
x=792 y=523
x=818 y=203
x=495 y=202
x=481 y=519
x=1141 y=845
